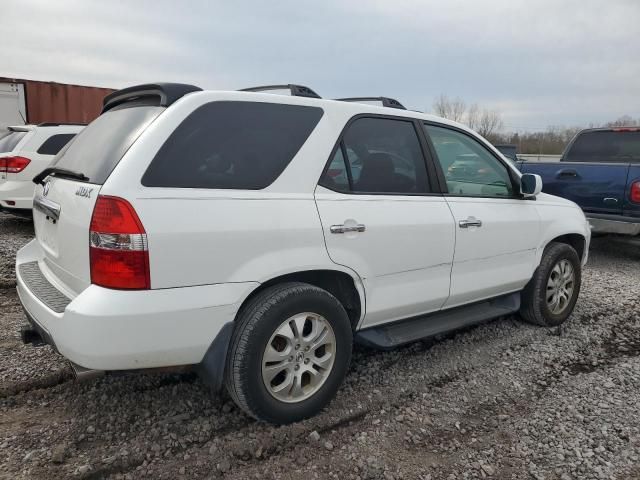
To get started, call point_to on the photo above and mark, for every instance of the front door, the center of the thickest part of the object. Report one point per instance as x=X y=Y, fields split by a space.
x=381 y=220
x=496 y=231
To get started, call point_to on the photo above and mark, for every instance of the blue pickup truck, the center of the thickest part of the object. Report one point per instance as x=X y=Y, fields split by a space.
x=600 y=171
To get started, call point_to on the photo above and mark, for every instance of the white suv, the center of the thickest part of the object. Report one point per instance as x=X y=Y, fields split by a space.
x=230 y=232
x=25 y=151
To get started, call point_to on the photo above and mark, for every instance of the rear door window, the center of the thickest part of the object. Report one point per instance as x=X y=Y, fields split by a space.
x=54 y=143
x=9 y=141
x=378 y=156
x=98 y=148
x=232 y=145
x=605 y=146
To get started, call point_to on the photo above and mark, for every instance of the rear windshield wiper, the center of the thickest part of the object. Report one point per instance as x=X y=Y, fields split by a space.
x=58 y=172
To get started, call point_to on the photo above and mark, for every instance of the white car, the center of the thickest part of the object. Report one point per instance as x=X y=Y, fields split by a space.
x=25 y=151
x=203 y=229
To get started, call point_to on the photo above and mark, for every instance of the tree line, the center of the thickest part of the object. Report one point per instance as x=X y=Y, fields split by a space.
x=488 y=123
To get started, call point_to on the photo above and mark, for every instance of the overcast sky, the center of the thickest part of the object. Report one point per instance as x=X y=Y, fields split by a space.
x=538 y=62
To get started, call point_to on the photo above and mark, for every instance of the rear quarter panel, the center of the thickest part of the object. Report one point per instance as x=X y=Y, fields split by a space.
x=206 y=236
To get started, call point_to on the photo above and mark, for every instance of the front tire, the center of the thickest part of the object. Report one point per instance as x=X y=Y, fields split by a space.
x=289 y=353
x=551 y=294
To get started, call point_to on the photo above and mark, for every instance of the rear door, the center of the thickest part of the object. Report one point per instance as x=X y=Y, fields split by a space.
x=63 y=205
x=597 y=188
x=381 y=218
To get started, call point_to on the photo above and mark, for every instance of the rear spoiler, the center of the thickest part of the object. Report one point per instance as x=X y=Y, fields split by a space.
x=160 y=94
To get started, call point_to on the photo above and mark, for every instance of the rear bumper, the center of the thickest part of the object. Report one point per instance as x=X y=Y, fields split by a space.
x=107 y=329
x=19 y=192
x=614 y=224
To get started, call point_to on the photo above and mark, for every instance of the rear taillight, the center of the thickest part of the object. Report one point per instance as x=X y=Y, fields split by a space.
x=634 y=194
x=13 y=164
x=118 y=250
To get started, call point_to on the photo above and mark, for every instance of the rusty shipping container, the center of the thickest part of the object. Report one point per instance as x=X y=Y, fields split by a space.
x=39 y=102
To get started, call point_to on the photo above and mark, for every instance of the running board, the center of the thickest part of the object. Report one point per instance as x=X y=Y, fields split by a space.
x=416 y=328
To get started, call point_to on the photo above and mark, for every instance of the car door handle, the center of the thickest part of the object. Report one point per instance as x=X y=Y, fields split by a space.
x=567 y=172
x=470 y=222
x=347 y=228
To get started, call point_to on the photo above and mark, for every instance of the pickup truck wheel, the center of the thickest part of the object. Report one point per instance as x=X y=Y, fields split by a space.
x=289 y=353
x=550 y=296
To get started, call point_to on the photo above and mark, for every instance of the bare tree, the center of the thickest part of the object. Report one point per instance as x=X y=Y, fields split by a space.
x=473 y=116
x=623 y=121
x=489 y=123
x=445 y=107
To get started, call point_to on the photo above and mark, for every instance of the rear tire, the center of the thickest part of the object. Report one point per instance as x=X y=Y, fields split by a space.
x=278 y=370
x=551 y=295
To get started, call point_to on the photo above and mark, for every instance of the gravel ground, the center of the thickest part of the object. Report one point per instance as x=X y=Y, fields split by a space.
x=502 y=400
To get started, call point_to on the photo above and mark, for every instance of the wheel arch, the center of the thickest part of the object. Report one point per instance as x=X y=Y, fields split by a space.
x=347 y=288
x=575 y=240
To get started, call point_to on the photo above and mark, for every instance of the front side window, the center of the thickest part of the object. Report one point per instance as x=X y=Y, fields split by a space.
x=232 y=145
x=469 y=169
x=378 y=156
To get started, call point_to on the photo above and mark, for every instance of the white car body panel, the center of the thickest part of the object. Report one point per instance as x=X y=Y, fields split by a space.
x=499 y=256
x=210 y=249
x=19 y=187
x=404 y=256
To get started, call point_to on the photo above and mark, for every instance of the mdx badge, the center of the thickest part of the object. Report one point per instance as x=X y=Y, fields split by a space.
x=84 y=192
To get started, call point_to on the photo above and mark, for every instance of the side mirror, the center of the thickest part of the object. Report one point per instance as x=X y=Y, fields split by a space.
x=530 y=184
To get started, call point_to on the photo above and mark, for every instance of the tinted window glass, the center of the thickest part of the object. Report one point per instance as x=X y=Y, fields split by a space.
x=384 y=157
x=98 y=148
x=9 y=142
x=605 y=146
x=336 y=176
x=54 y=143
x=239 y=145
x=468 y=167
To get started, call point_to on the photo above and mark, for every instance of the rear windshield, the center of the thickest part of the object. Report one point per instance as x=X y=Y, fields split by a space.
x=97 y=149
x=605 y=146
x=238 y=145
x=9 y=141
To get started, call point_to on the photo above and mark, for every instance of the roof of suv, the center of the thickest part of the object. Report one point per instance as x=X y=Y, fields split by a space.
x=165 y=94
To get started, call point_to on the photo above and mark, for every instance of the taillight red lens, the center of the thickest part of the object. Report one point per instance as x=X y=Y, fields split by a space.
x=13 y=164
x=118 y=251
x=634 y=194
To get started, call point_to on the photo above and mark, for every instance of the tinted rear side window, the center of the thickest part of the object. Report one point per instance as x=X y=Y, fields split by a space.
x=9 y=142
x=98 y=148
x=605 y=146
x=238 y=145
x=54 y=143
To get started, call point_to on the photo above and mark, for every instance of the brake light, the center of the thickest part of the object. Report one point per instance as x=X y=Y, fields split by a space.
x=634 y=194
x=118 y=251
x=13 y=164
x=625 y=129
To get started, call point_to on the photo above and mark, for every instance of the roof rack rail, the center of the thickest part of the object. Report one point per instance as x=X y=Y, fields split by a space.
x=165 y=93
x=61 y=124
x=296 y=90
x=386 y=101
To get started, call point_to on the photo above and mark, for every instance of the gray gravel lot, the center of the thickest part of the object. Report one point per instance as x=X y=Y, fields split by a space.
x=501 y=400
